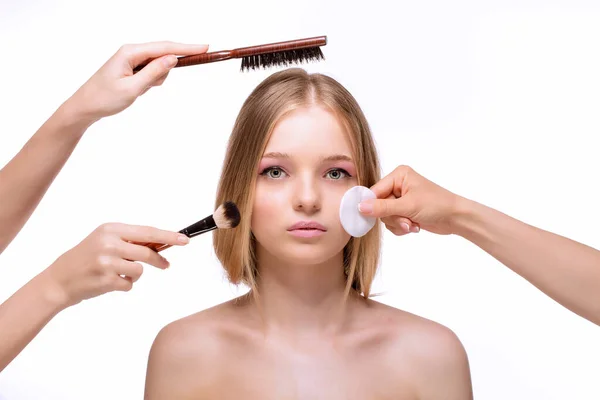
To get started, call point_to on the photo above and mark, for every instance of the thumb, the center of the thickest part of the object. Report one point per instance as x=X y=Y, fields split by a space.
x=152 y=72
x=381 y=208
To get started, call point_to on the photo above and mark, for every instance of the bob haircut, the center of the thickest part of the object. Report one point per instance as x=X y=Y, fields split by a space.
x=268 y=103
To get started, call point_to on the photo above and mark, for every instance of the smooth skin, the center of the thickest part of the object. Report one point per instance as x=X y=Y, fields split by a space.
x=300 y=339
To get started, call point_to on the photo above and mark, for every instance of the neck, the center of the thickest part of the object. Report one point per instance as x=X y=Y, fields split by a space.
x=301 y=299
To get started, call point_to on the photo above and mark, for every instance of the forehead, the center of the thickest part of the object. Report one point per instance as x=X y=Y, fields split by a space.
x=310 y=129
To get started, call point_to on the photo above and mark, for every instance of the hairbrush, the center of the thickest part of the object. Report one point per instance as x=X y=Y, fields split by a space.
x=226 y=216
x=264 y=55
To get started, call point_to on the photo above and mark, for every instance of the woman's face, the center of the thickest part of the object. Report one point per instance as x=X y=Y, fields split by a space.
x=305 y=170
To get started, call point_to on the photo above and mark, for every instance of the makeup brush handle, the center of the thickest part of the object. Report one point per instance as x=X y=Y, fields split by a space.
x=200 y=227
x=157 y=247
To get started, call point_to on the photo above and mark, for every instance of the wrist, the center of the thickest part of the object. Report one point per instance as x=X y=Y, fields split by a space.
x=464 y=216
x=51 y=291
x=73 y=118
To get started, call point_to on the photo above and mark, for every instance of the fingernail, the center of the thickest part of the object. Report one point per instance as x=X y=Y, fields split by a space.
x=170 y=61
x=183 y=239
x=365 y=208
x=405 y=227
x=415 y=229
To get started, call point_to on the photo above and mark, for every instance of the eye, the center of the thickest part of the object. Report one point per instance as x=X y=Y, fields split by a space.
x=337 y=174
x=273 y=172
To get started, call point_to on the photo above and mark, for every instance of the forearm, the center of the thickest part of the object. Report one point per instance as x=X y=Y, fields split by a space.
x=565 y=270
x=24 y=315
x=26 y=178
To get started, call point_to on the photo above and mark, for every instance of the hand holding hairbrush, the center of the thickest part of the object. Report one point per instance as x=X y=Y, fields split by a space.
x=264 y=55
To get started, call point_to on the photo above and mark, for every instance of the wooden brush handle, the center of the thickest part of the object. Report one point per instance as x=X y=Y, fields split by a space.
x=280 y=46
x=205 y=58
x=196 y=59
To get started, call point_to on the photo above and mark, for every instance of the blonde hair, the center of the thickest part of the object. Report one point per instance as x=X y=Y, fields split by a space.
x=268 y=103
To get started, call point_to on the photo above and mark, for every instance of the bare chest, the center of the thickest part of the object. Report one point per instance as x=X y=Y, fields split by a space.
x=318 y=373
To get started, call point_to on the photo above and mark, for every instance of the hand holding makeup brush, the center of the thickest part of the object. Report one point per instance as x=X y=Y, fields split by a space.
x=226 y=216
x=563 y=269
x=107 y=260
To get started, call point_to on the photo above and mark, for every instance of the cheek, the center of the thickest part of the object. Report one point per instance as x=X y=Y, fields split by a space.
x=268 y=206
x=332 y=203
x=338 y=237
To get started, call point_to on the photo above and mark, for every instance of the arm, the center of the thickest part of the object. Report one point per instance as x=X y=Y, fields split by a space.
x=25 y=314
x=565 y=270
x=113 y=88
x=103 y=261
x=26 y=178
x=93 y=267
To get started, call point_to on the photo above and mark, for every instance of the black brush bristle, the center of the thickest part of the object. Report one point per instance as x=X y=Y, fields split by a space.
x=282 y=58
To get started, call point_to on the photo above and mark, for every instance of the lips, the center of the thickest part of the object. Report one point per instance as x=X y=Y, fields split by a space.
x=307 y=226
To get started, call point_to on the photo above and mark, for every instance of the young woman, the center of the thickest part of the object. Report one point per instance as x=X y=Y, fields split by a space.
x=307 y=328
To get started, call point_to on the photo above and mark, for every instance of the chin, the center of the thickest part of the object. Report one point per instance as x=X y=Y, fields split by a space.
x=307 y=253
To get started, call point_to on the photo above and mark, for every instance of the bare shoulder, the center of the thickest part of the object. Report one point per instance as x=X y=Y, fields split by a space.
x=188 y=354
x=433 y=353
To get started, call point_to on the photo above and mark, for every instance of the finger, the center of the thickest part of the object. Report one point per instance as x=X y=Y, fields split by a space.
x=160 y=80
x=137 y=53
x=136 y=252
x=122 y=284
x=381 y=208
x=148 y=234
x=129 y=269
x=396 y=231
x=151 y=73
x=401 y=223
x=396 y=221
x=157 y=82
x=391 y=184
x=388 y=220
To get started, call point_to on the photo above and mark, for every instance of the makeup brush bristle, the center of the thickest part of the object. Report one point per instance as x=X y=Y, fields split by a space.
x=282 y=58
x=227 y=215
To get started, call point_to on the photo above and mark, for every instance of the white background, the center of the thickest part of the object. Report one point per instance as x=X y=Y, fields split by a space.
x=497 y=101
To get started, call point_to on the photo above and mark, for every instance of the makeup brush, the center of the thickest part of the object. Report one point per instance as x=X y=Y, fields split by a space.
x=264 y=55
x=226 y=216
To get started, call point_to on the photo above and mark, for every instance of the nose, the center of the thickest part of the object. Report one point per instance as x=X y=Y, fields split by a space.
x=307 y=195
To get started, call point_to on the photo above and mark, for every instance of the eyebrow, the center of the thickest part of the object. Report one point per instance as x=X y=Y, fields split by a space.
x=335 y=157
